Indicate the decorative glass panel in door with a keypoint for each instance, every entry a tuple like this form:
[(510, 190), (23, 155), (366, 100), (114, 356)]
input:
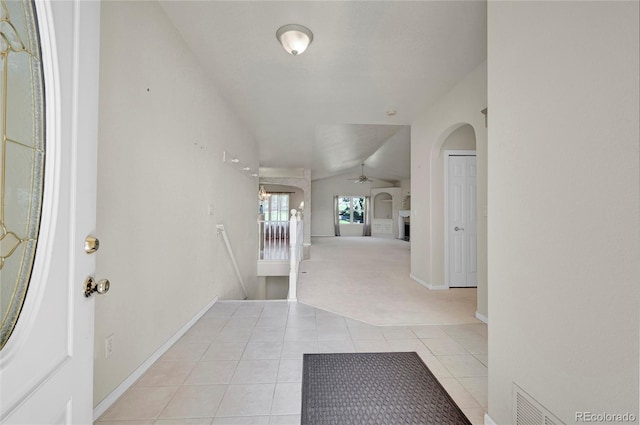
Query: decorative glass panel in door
[(21, 155)]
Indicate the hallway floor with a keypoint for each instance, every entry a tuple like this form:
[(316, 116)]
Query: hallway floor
[(368, 279), (241, 363)]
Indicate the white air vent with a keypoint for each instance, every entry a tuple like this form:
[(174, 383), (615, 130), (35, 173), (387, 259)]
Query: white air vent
[(527, 411)]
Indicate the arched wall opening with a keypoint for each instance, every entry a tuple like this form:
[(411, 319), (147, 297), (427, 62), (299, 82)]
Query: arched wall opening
[(463, 138), (460, 136), (462, 105), (382, 207)]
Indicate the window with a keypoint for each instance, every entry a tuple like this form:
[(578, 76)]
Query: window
[(276, 207), (351, 209), (22, 157)]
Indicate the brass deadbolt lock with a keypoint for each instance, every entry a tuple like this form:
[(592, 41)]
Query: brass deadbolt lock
[(91, 244)]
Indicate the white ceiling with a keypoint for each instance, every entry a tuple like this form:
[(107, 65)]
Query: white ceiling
[(326, 109)]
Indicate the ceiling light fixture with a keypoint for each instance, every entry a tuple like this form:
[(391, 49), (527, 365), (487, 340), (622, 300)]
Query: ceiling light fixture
[(294, 38), (262, 194)]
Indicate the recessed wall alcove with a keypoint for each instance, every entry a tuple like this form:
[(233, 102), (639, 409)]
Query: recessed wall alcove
[(386, 204), (382, 207)]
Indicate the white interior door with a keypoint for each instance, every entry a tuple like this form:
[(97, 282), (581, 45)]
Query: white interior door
[(46, 366), (461, 221)]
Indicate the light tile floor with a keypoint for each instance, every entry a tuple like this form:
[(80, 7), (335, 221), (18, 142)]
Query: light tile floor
[(241, 364)]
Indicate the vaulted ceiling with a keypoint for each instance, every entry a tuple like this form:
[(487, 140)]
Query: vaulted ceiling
[(326, 109)]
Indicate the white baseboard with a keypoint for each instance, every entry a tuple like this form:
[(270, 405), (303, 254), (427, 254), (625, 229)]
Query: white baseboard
[(131, 379), (482, 318), (429, 285), (420, 281), (488, 420)]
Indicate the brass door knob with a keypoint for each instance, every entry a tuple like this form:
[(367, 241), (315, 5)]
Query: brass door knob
[(91, 286)]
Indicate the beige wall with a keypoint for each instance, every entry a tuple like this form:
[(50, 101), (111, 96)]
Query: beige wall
[(463, 138), (163, 128), (276, 287), (564, 206), (405, 185), (461, 106)]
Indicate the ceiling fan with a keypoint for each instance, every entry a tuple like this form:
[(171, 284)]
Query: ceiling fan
[(362, 178)]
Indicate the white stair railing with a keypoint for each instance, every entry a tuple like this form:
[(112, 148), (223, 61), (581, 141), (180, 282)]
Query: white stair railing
[(221, 231), (296, 252), (273, 237)]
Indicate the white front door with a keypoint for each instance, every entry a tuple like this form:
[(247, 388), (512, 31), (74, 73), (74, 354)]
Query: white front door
[(461, 221), (46, 367)]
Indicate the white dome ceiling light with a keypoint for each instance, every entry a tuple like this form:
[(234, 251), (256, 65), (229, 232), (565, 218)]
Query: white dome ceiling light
[(294, 38)]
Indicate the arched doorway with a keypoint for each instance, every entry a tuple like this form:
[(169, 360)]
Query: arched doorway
[(458, 159)]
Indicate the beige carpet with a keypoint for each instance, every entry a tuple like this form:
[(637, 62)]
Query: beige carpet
[(368, 279)]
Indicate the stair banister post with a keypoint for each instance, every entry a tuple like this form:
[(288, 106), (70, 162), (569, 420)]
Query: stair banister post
[(293, 256)]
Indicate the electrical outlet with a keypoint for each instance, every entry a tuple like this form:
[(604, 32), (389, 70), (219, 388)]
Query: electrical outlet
[(108, 346), (211, 209)]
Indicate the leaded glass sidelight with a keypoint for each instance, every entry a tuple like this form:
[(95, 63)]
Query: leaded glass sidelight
[(21, 155)]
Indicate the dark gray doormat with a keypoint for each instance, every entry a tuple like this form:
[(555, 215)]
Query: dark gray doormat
[(374, 389)]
